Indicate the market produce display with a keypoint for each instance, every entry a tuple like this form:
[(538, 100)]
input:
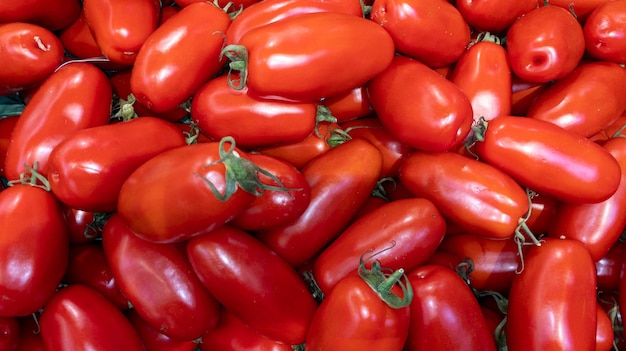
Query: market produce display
[(337, 175)]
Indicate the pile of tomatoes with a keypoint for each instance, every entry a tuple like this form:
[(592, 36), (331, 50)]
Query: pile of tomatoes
[(389, 175)]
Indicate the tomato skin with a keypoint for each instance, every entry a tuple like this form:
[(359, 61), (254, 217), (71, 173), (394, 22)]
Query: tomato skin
[(443, 31), (411, 229), (183, 52), (408, 85), (231, 334), (494, 261), (165, 185), (582, 8), (27, 62), (80, 85), (609, 268), (51, 14), (83, 226), (264, 12), (475, 195), (9, 333), (597, 225), (115, 28), (604, 331), (84, 178), (275, 208), (353, 317), (556, 291), (7, 124), (87, 265), (550, 160), (79, 318), (34, 244), (604, 32), (585, 101), (159, 282), (445, 315), (545, 44), (253, 282), (483, 73), (341, 180), (254, 122), (492, 15), (280, 66), (349, 105), (153, 339)]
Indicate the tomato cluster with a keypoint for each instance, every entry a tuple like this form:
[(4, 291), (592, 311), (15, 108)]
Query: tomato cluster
[(272, 175)]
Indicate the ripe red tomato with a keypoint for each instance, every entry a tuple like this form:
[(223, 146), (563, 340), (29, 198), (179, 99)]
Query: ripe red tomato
[(609, 268), (250, 280), (443, 32), (86, 178), (477, 196), (184, 52), (341, 180), (254, 122), (7, 124), (78, 317), (9, 333), (410, 229), (264, 12), (483, 73), (30, 54), (552, 302), (33, 248), (605, 33), (493, 15), (51, 14), (291, 59), (275, 207), (585, 101), (407, 86), (75, 97), (349, 105), (581, 8), (154, 340), (159, 282), (545, 44), (84, 226), (550, 160), (445, 314), (604, 331)]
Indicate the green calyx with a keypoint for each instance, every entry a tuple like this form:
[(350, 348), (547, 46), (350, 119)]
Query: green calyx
[(382, 281), (240, 173), (32, 177), (238, 56)]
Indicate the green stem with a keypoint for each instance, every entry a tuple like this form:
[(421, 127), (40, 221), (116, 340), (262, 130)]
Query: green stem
[(382, 283), (238, 56), (32, 177)]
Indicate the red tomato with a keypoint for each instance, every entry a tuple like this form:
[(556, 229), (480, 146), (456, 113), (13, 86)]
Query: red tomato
[(87, 265), (341, 180), (116, 29), (184, 52), (222, 111), (349, 105), (363, 312), (483, 73), (275, 207), (411, 229), (550, 160), (250, 280), (524, 93), (159, 282), (167, 11), (393, 150), (30, 336), (7, 124), (552, 302), (154, 340), (30, 54), (9, 333), (236, 4), (542, 210), (264, 12), (193, 189), (33, 248), (494, 262), (84, 226), (493, 15), (545, 44), (597, 225), (445, 315), (582, 8), (475, 195), (51, 14), (609, 268), (604, 331), (75, 97), (78, 317), (605, 33), (443, 32), (585, 101), (291, 59), (86, 178), (407, 86), (231, 334)]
